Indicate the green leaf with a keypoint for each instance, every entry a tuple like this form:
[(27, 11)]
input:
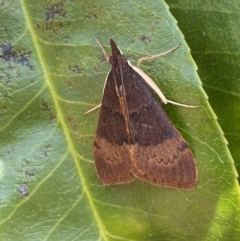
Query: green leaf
[(52, 71), (212, 32)]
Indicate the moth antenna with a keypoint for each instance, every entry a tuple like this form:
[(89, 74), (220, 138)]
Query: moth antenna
[(106, 56)]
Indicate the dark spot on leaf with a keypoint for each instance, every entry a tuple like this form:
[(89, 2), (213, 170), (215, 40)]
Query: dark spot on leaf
[(78, 136), (45, 106), (53, 27), (74, 69), (29, 174), (46, 150), (3, 3), (92, 15), (48, 110), (27, 171), (69, 118), (23, 189), (24, 61), (7, 52), (72, 121), (95, 70), (68, 82), (11, 151), (55, 9), (25, 163), (102, 59), (6, 48), (145, 39), (14, 57)]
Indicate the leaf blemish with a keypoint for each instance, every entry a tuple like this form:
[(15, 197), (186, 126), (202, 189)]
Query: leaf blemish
[(75, 69), (72, 120), (55, 9), (48, 110), (145, 39), (23, 189), (10, 55), (92, 15), (30, 174), (46, 150)]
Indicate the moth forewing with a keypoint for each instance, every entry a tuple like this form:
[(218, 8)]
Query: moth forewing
[(151, 83)]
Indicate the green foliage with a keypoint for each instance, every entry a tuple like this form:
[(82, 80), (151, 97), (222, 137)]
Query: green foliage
[(52, 71), (211, 29)]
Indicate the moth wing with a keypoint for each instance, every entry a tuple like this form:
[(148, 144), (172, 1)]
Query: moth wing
[(160, 155), (112, 155)]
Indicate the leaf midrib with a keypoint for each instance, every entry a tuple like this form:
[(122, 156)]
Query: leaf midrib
[(61, 118)]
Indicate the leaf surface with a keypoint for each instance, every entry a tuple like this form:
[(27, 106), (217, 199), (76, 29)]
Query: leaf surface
[(52, 71), (212, 32)]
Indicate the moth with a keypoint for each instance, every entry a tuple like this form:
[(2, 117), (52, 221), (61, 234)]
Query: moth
[(134, 137)]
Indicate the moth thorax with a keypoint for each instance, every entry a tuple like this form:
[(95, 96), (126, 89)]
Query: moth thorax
[(118, 60)]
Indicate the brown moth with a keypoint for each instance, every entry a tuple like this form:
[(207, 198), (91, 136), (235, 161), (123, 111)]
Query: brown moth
[(134, 137)]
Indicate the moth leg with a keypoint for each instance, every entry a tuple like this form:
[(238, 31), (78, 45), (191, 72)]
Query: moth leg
[(148, 57), (156, 89), (98, 106), (94, 108), (180, 104), (106, 56)]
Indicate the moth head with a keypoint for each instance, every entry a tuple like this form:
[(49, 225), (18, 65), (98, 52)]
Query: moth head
[(117, 58)]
